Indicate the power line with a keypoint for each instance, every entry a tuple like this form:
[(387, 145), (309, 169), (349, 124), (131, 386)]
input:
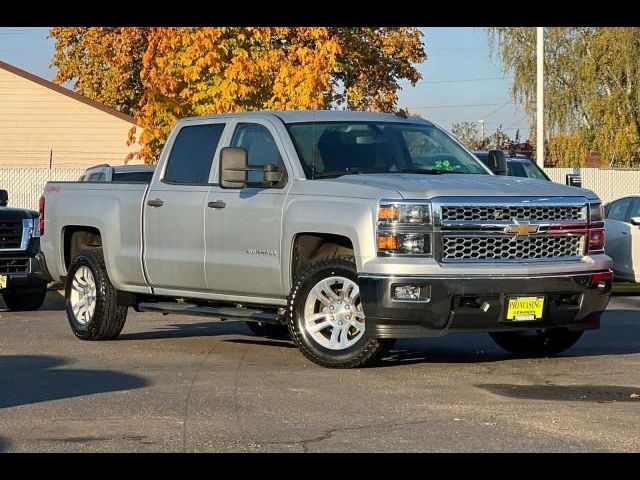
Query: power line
[(499, 108), (462, 105), (463, 80)]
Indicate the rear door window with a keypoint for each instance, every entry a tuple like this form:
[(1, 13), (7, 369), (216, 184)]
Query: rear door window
[(192, 154)]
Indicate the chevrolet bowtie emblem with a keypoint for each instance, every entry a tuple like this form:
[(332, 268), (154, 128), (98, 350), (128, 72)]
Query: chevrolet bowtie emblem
[(522, 229)]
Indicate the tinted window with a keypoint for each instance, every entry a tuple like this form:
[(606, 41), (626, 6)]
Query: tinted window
[(133, 177), (618, 209), (635, 209), (525, 169), (260, 146), (96, 177), (192, 153)]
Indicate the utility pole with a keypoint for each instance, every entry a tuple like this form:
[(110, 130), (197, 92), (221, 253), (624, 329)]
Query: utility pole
[(481, 122), (540, 97)]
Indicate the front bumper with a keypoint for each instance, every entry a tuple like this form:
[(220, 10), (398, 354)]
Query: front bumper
[(25, 269), (459, 303)]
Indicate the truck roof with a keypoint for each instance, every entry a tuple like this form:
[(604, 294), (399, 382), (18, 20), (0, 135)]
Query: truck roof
[(302, 116)]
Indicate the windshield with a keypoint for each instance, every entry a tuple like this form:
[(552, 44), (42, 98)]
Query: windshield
[(331, 149), (526, 169)]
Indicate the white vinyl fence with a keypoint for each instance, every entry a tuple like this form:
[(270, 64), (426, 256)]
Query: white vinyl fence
[(608, 183), (25, 185)]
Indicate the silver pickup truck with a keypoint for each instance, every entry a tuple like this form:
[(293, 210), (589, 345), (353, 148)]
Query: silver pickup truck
[(347, 229)]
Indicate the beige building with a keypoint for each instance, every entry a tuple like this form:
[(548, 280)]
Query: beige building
[(43, 123)]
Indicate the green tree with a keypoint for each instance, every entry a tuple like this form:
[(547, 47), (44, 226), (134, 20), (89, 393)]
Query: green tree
[(467, 133), (592, 88)]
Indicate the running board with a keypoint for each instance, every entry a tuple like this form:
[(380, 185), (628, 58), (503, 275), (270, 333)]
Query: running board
[(222, 313)]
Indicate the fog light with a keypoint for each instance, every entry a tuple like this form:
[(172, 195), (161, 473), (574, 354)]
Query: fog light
[(411, 293), (406, 292)]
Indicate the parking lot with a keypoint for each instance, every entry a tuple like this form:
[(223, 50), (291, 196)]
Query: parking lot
[(172, 383)]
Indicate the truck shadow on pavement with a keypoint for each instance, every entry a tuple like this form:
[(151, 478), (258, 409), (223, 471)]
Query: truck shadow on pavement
[(4, 445), (568, 393), (182, 330), (29, 379), (619, 335), (54, 302)]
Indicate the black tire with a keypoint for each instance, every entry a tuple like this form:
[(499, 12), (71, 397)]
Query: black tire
[(25, 299), (108, 317), (366, 351), (269, 330), (540, 343)]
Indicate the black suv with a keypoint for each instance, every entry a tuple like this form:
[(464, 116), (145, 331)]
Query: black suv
[(23, 277)]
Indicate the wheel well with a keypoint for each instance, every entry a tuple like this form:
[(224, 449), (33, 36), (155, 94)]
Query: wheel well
[(77, 238), (311, 247)]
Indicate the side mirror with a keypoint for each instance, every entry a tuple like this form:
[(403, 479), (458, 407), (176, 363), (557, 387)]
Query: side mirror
[(233, 167), (497, 162), (634, 221), (272, 174), (573, 180), (4, 198)]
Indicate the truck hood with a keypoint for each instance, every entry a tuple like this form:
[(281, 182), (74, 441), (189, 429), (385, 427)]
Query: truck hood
[(416, 186)]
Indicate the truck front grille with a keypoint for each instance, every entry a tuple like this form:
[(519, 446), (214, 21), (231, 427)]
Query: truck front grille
[(10, 234), (509, 212), (14, 265), (502, 247)]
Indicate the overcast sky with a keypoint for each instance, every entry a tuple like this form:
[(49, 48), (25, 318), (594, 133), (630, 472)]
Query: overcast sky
[(454, 54)]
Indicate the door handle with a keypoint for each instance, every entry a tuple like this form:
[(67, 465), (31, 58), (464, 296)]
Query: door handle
[(217, 204), (624, 233), (156, 202)]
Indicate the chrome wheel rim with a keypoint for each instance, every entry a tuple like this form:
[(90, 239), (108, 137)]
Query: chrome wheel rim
[(83, 295), (333, 315)]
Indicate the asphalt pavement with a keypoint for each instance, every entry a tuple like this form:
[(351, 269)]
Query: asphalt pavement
[(174, 383)]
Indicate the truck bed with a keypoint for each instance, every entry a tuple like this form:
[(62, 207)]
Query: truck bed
[(115, 210)]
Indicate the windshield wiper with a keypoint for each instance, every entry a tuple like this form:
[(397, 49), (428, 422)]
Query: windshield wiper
[(336, 174)]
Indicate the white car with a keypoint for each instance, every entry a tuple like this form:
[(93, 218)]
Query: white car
[(622, 225)]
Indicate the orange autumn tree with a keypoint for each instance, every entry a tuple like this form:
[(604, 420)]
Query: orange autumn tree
[(161, 74)]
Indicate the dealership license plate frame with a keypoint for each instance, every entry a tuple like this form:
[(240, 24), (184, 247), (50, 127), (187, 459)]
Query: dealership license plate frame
[(529, 314)]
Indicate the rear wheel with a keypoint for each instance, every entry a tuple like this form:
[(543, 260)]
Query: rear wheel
[(91, 300), (25, 299), (326, 319), (547, 342)]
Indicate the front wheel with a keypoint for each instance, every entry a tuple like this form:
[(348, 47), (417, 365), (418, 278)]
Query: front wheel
[(25, 299), (326, 319), (91, 300), (537, 343)]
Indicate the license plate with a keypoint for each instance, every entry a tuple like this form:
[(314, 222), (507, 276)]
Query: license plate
[(525, 308), (3, 281)]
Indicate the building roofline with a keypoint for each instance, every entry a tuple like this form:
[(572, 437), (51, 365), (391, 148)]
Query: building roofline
[(65, 91)]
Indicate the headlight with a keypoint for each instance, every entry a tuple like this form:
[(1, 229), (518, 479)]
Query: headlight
[(596, 212), (31, 227), (399, 214), (404, 228)]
